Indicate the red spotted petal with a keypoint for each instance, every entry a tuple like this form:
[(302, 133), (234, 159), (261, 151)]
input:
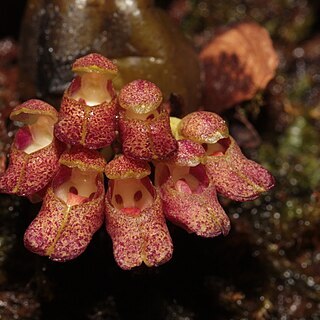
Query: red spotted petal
[(94, 62), (147, 139), (27, 174), (140, 96), (93, 127), (34, 154), (71, 117), (237, 177), (138, 235), (190, 201), (203, 127), (63, 229), (84, 159), (123, 168), (26, 111), (189, 153)]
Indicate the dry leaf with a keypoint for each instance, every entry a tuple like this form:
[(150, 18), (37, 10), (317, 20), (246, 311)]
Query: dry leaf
[(239, 61)]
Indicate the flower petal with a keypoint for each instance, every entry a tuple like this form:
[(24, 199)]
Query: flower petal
[(33, 107), (189, 153), (194, 208), (147, 139), (123, 168), (34, 153), (140, 97), (139, 237), (61, 230), (27, 174), (94, 62), (83, 159), (92, 127), (203, 127), (237, 177)]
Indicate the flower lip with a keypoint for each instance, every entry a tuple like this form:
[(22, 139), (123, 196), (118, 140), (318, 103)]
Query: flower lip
[(125, 168), (140, 96), (203, 127), (84, 159), (29, 111), (95, 62)]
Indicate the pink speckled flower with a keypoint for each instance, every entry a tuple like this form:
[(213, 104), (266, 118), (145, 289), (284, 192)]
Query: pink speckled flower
[(193, 160), (72, 210), (234, 176), (89, 107), (189, 198), (34, 152), (144, 124), (134, 217)]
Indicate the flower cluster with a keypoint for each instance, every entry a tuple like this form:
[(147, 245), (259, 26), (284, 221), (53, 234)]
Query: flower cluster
[(59, 157)]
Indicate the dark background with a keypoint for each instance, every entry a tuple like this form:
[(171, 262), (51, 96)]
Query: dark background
[(233, 277)]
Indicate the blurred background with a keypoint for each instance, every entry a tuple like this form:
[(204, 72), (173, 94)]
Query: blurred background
[(268, 267)]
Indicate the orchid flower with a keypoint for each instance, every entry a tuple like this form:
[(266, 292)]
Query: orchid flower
[(144, 123), (189, 197), (35, 152), (89, 107), (194, 159), (233, 175), (72, 210), (134, 216)]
